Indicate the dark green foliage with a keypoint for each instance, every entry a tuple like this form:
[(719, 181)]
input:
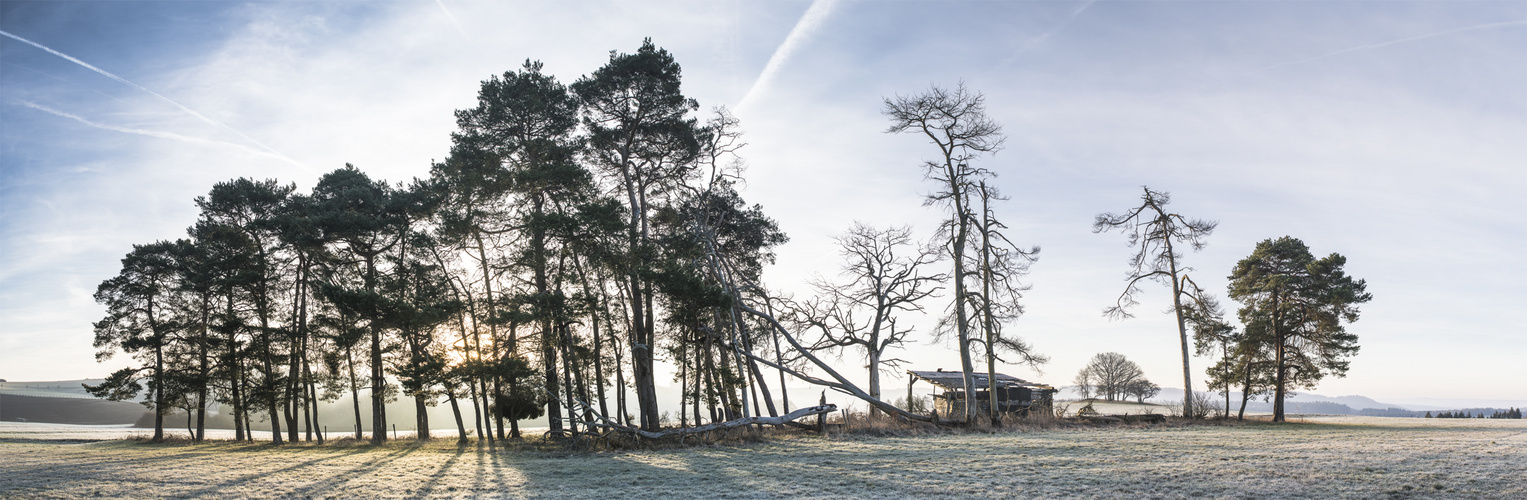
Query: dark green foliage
[(524, 399), (523, 277), (640, 137), (1297, 306), (121, 385)]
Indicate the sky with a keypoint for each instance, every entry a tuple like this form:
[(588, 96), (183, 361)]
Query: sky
[(1393, 133)]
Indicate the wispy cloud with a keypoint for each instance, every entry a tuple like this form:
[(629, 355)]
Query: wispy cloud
[(809, 23), (450, 16), (1372, 46), (124, 81), (1059, 27), (151, 133)]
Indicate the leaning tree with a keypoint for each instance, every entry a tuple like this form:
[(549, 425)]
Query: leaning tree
[(1157, 233)]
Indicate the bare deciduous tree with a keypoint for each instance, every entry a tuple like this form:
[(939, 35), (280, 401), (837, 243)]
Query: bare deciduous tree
[(882, 280), (956, 122), (1109, 375), (1142, 390), (1157, 232), (999, 266)]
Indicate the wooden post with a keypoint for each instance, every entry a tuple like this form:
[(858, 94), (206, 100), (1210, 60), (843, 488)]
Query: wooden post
[(822, 418), (911, 379)]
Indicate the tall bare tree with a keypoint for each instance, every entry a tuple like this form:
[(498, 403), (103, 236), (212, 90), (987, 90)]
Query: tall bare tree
[(999, 266), (956, 122), (1158, 232)]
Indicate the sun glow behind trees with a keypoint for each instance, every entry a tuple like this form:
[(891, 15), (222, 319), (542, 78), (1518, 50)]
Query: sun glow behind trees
[(537, 264)]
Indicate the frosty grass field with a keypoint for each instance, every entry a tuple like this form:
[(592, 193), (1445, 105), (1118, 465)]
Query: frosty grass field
[(1361, 457)]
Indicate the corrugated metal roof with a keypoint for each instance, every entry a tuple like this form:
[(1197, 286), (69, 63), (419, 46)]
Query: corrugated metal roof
[(955, 380)]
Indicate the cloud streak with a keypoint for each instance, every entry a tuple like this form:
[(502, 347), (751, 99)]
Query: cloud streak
[(809, 23), (1059, 27), (1379, 45), (271, 151), (151, 133), (450, 16)]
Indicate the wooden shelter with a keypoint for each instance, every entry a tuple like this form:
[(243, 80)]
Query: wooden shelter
[(1014, 395)]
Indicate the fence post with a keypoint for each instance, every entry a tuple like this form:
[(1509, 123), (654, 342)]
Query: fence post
[(822, 417)]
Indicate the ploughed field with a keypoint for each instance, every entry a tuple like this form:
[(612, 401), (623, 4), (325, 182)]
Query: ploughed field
[(1360, 457)]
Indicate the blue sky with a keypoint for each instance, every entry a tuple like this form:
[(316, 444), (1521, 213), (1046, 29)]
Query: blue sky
[(1394, 133)]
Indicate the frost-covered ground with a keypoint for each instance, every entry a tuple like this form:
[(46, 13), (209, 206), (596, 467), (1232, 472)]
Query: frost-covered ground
[(80, 433), (1360, 457)]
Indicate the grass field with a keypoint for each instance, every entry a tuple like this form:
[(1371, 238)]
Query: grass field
[(1361, 457)]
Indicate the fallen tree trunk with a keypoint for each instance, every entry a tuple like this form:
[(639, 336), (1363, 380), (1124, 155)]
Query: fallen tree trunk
[(781, 420), (838, 383)]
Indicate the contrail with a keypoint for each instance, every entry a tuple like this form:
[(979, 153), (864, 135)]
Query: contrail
[(182, 107), (1061, 26), (1392, 42), (1052, 32), (448, 15), (150, 133), (803, 29)]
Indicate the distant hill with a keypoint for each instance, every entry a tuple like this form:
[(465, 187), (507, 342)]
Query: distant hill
[(66, 402), (50, 389), (69, 410), (1304, 402)]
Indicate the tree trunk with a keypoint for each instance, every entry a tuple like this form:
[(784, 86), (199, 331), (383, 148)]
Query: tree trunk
[(378, 379), (1246, 392), (204, 369), (874, 374), (599, 357), (477, 414), (1278, 363), (295, 357), (1278, 390), (312, 389), (990, 323), (567, 382), (461, 427), (236, 370), (1182, 332), (158, 374), (269, 388), (355, 391), (421, 419), (963, 326)]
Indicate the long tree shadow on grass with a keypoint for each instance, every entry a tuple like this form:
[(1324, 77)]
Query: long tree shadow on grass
[(221, 487), (335, 480), (445, 468), (655, 474)]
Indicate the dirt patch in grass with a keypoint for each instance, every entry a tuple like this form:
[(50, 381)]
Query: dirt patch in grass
[(1364, 457)]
